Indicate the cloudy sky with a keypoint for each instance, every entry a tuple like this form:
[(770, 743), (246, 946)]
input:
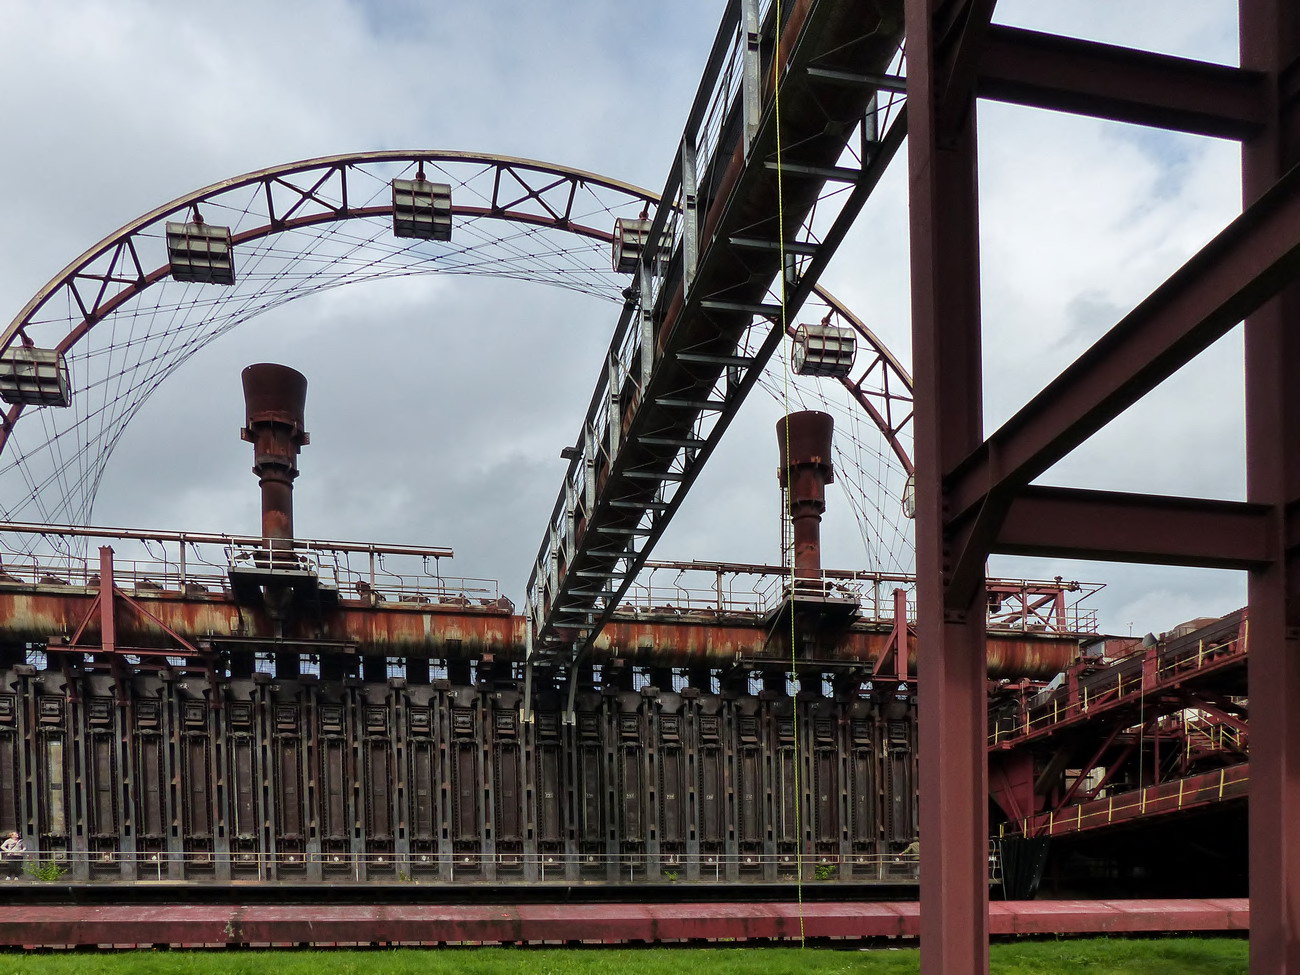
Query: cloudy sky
[(438, 406)]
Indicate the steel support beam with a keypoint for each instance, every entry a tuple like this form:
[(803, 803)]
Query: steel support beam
[(1270, 43), (944, 225), (1119, 527), (1066, 74), (1246, 264)]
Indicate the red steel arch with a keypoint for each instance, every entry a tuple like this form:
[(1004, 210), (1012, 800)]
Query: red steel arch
[(318, 191)]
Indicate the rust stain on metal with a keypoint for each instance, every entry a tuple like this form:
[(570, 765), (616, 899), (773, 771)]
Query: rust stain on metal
[(804, 440), (275, 398), (458, 632)]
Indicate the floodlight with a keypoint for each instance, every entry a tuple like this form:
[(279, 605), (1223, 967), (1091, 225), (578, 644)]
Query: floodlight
[(421, 209), (200, 252)]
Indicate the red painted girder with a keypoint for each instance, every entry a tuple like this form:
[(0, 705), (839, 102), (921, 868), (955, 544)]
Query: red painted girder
[(587, 923), (943, 37), (1067, 74), (1115, 526)]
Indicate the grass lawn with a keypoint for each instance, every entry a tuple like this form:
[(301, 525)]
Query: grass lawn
[(1186, 956)]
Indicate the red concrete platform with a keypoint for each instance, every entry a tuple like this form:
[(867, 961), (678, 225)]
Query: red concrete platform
[(122, 926)]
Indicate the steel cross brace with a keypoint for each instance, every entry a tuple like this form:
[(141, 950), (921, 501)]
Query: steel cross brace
[(103, 605), (1245, 265)]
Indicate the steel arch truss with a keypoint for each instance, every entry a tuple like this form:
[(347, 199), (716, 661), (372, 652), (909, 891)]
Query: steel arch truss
[(125, 323), (288, 235)]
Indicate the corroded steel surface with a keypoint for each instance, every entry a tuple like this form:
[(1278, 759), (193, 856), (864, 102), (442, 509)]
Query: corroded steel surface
[(275, 397), (334, 777), (37, 613), (221, 926), (804, 440)]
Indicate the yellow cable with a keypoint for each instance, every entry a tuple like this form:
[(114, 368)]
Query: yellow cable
[(785, 394)]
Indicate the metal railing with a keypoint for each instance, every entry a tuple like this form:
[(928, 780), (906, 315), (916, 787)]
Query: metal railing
[(77, 867), (1230, 782), (752, 591), (1124, 680), (194, 563)]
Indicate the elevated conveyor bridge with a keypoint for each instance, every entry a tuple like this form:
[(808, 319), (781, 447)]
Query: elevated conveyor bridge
[(741, 235)]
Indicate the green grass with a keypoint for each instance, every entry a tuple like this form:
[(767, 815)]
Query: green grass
[(1186, 956)]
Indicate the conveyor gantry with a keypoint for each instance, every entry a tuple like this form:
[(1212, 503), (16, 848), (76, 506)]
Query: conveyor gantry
[(703, 314)]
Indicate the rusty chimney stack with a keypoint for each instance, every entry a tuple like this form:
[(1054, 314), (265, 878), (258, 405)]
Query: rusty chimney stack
[(805, 443), (274, 399)]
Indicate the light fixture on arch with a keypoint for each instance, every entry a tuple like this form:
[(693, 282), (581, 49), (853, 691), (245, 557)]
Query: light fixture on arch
[(201, 252), (421, 209), (823, 350)]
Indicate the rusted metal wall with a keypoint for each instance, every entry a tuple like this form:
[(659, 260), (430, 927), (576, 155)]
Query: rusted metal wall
[(279, 779)]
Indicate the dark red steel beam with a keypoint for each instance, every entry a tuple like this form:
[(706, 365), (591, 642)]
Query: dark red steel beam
[(107, 611), (1121, 527), (1066, 74), (1270, 43), (1250, 261), (948, 423)]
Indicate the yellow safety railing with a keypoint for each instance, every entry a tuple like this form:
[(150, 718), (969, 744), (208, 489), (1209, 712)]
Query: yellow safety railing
[(1150, 800)]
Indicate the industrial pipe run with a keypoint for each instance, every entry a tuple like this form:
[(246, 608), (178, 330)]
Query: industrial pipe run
[(275, 397), (804, 440)]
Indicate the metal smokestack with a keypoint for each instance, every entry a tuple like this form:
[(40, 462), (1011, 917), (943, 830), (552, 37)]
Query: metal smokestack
[(274, 399), (805, 442)]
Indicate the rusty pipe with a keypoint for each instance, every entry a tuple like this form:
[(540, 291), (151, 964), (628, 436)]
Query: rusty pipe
[(804, 440), (274, 399)]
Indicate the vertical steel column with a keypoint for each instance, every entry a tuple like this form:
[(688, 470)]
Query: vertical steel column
[(264, 763), (399, 729), (312, 758), (530, 796), (129, 823), (440, 702), (950, 633), (353, 698), (27, 737), (488, 824), (174, 771), (1270, 42), (651, 798), (81, 771), (574, 807), (223, 822), (692, 759), (732, 825), (107, 619)]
